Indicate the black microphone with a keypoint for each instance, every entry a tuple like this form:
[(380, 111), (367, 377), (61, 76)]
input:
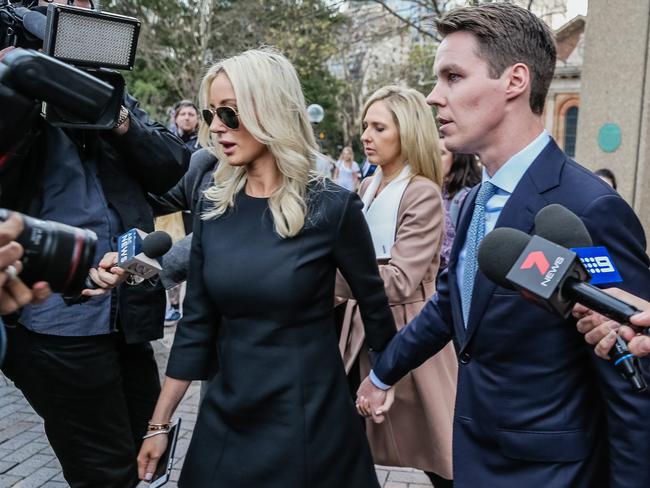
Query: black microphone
[(552, 277), (560, 225), (138, 253)]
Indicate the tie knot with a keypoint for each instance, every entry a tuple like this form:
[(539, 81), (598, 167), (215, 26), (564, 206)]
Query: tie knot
[(486, 192)]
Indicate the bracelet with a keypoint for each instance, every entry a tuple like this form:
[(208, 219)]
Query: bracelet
[(153, 427), (153, 434)]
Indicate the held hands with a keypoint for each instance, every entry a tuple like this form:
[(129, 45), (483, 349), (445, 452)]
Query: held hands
[(150, 453), (601, 331), (374, 402), (107, 275)]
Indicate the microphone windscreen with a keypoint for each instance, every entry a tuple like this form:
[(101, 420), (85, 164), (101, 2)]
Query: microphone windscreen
[(34, 23), (156, 244), (560, 225), (498, 252)]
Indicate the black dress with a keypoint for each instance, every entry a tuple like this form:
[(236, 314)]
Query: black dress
[(278, 413)]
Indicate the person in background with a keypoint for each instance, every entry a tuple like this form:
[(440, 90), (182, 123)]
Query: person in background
[(186, 122), (607, 176), (260, 290), (367, 169), (346, 170), (403, 208), (324, 165), (461, 173)]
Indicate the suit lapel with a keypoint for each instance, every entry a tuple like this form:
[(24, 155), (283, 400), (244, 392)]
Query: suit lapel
[(518, 213)]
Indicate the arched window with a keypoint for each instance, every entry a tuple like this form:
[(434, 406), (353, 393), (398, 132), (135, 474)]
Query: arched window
[(570, 131)]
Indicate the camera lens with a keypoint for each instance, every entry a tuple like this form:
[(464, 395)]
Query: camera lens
[(57, 253)]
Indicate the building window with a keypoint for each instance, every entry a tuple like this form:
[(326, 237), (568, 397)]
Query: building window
[(570, 131)]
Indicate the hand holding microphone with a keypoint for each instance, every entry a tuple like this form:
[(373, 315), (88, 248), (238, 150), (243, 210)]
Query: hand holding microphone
[(136, 258), (601, 331)]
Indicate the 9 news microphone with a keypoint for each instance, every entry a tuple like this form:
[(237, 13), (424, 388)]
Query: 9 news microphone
[(560, 225), (553, 277), (138, 253)]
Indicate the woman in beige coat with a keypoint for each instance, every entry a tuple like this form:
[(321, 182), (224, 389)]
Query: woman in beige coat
[(403, 207)]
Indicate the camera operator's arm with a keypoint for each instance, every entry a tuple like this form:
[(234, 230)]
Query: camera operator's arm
[(156, 156), (186, 194), (13, 292)]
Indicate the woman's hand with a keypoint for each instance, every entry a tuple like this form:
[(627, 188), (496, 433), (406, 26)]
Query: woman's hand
[(150, 453)]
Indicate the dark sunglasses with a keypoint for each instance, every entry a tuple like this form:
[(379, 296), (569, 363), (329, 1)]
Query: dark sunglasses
[(228, 115)]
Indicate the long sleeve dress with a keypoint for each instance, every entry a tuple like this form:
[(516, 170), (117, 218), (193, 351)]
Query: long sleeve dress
[(278, 413)]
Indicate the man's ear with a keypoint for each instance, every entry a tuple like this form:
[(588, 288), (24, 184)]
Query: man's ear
[(518, 80)]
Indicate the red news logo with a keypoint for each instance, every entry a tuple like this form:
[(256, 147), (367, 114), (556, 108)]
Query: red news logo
[(538, 260)]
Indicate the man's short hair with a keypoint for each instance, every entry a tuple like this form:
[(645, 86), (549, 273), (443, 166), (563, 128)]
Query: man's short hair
[(508, 34), (183, 104)]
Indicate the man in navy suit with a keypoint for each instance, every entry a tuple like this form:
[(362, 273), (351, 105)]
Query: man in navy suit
[(535, 407)]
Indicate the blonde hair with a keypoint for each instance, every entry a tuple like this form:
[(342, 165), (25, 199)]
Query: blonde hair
[(272, 107), (418, 133)]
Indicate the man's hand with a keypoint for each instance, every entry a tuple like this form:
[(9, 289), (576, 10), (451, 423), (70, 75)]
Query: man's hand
[(107, 275), (601, 331), (374, 402), (13, 292)]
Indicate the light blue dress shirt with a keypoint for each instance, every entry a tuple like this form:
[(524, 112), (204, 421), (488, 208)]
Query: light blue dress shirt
[(506, 180)]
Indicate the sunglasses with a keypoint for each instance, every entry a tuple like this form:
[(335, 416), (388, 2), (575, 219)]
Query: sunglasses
[(228, 115)]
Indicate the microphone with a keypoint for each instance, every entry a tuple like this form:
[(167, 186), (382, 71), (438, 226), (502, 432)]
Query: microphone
[(560, 225), (138, 253), (552, 277)]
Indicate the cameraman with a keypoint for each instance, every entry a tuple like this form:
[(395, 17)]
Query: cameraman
[(88, 369), (13, 292)]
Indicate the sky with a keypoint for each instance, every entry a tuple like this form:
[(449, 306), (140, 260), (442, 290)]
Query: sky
[(573, 8)]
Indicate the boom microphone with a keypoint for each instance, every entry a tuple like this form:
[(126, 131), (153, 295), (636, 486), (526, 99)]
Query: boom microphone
[(552, 277)]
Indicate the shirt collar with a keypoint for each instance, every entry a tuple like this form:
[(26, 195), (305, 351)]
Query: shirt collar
[(507, 176)]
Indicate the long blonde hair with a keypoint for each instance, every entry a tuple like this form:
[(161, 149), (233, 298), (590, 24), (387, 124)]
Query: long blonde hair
[(272, 107), (418, 134)]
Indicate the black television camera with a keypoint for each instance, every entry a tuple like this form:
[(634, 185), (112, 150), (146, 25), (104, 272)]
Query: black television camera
[(73, 80), (57, 253)]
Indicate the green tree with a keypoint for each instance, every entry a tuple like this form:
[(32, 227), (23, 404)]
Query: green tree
[(181, 38)]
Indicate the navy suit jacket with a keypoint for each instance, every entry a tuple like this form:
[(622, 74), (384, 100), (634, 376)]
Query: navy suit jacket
[(535, 407)]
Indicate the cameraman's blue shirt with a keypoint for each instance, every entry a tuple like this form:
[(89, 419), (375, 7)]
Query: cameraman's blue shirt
[(73, 195)]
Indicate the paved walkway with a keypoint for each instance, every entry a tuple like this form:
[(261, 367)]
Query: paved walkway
[(27, 461)]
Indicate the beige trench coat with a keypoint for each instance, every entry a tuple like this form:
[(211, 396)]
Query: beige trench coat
[(417, 431)]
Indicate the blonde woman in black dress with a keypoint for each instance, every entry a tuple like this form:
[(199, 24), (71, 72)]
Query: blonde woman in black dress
[(261, 286)]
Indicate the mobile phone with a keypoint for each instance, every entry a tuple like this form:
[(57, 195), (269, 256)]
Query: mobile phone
[(165, 463)]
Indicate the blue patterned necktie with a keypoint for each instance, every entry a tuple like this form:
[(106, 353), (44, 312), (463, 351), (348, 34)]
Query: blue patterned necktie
[(475, 234)]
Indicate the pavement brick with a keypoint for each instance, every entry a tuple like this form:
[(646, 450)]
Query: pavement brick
[(28, 450), (32, 465), (409, 477), (6, 466), (37, 479), (8, 481)]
